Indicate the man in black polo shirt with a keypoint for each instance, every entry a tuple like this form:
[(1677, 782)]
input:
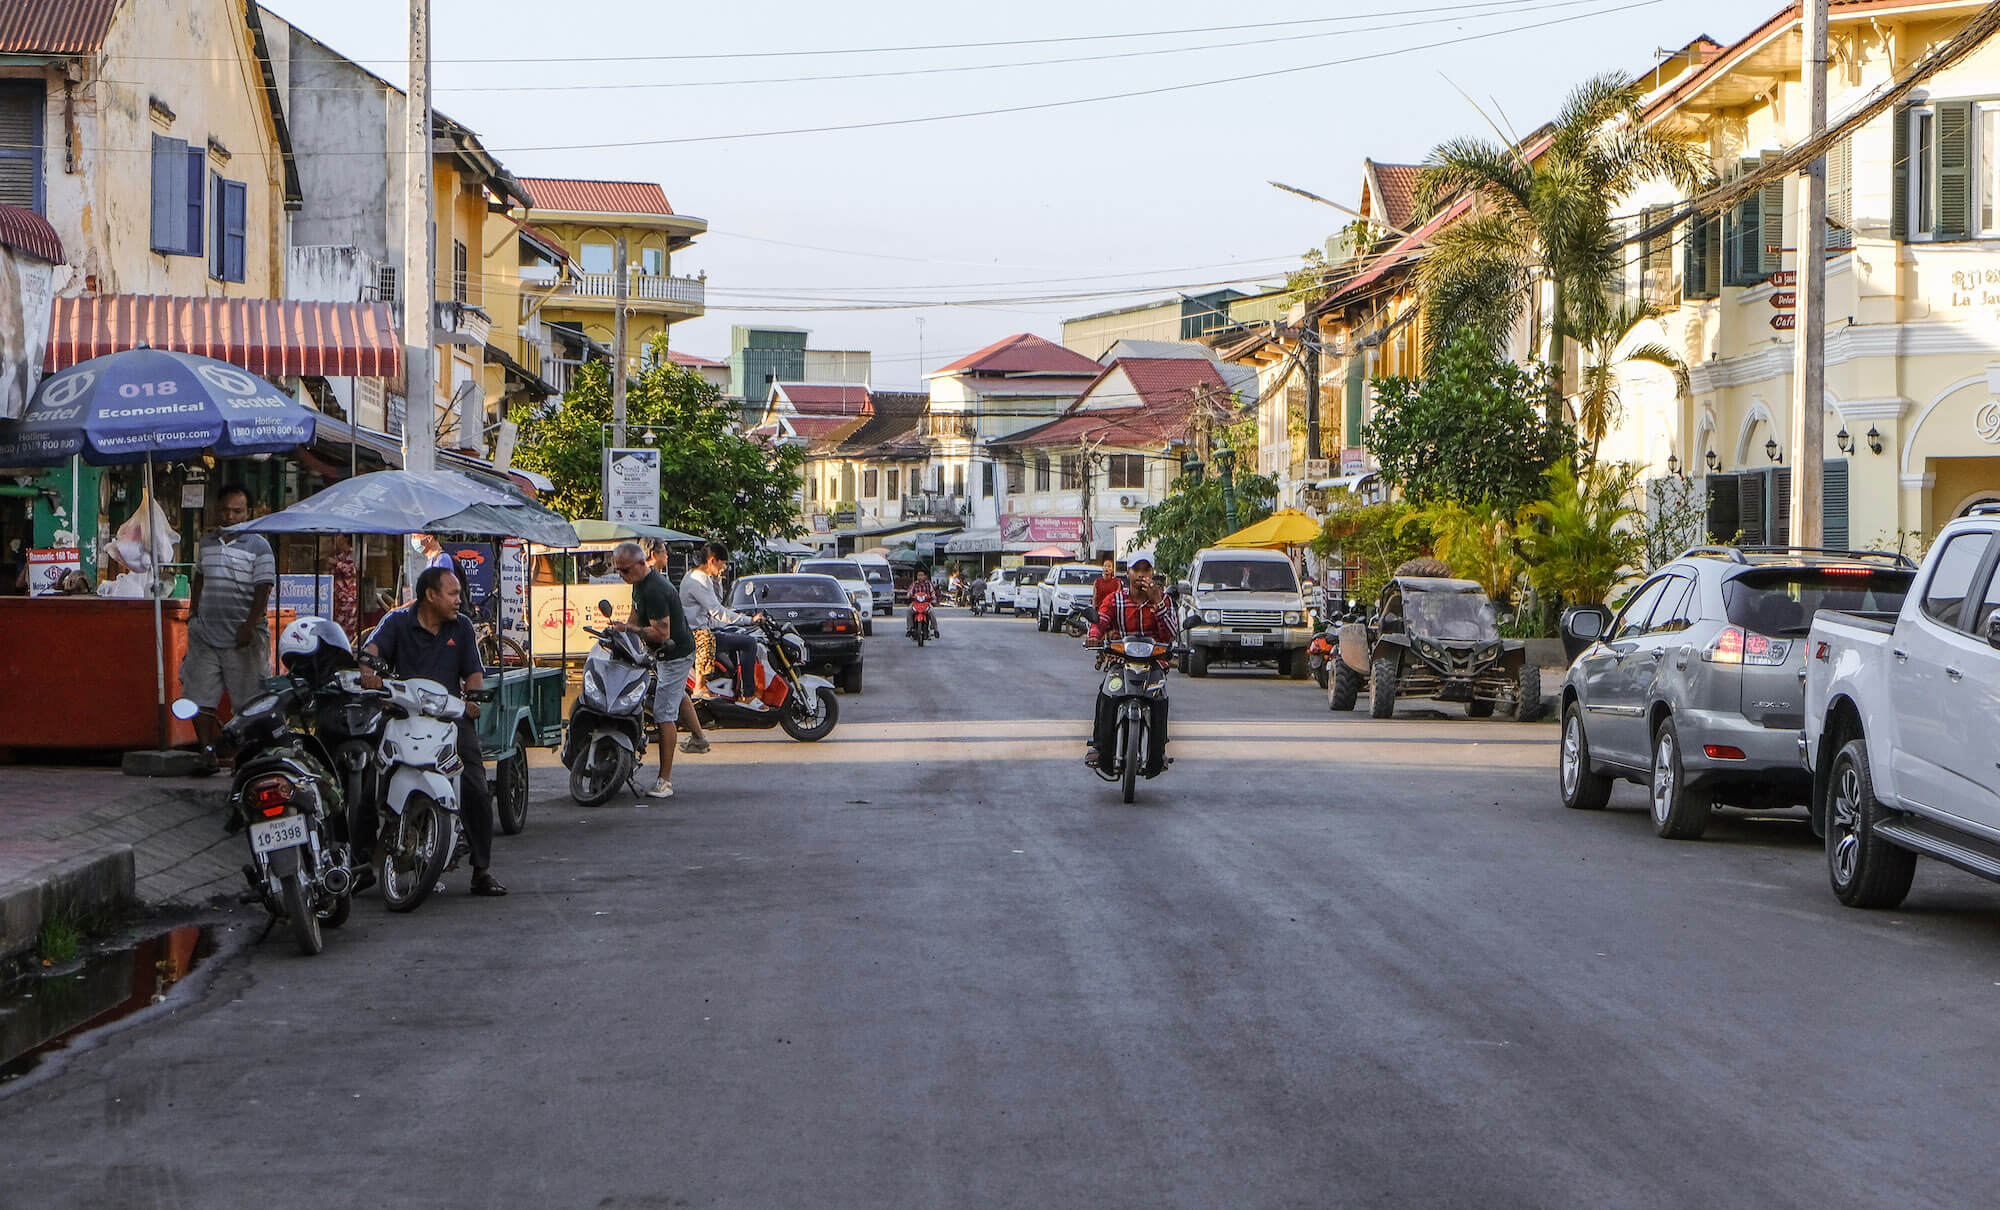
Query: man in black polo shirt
[(428, 640), (657, 617)]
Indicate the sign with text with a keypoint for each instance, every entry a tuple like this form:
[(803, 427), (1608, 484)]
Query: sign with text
[(632, 485), (1318, 468), (1053, 530), (46, 569), (475, 563), (1784, 300), (305, 594), (1783, 278), (1785, 322), (514, 588)]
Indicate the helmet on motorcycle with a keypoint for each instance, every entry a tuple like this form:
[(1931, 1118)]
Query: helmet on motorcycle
[(315, 649)]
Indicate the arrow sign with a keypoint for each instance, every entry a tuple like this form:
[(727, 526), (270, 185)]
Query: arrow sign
[(1785, 322), (1784, 300), (1783, 277)]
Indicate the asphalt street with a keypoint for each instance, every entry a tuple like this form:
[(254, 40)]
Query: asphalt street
[(933, 962)]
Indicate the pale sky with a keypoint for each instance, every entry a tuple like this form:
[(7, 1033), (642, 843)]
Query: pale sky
[(1156, 193)]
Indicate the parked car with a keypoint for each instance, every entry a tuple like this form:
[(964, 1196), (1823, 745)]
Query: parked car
[(1693, 689), (881, 583), (1902, 722), (1000, 588), (819, 608), (853, 581), (1027, 588), (1065, 590), (1244, 606), (1439, 639)]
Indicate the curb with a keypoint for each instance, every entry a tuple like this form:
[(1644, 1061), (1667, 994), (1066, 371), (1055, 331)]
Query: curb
[(100, 878)]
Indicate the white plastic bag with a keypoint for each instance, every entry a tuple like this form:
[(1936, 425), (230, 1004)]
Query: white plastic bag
[(146, 527)]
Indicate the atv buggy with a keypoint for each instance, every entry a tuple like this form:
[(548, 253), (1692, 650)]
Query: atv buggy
[(1435, 638)]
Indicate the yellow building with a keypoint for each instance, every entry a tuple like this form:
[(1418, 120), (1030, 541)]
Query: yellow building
[(584, 220)]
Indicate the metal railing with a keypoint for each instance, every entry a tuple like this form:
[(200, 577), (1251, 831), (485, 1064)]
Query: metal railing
[(937, 507), (643, 287)]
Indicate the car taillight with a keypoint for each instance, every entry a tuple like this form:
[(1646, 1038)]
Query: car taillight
[(1723, 752), (1738, 646), (269, 795)]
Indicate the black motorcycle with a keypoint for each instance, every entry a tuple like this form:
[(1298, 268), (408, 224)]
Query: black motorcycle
[(1134, 677), (285, 798)]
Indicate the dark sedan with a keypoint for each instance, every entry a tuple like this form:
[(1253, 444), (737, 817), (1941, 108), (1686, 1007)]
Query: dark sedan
[(818, 608)]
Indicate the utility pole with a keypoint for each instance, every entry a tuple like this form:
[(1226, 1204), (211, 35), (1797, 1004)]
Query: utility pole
[(1311, 339), (621, 291), (1809, 341), (419, 254), (1087, 545)]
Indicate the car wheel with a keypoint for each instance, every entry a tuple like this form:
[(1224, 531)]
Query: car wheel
[(1382, 688), (1678, 813), (1582, 790), (1866, 871), (868, 625), (1198, 662), (1041, 621), (1344, 686), (850, 678)]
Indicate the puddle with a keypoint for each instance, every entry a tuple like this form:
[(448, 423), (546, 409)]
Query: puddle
[(40, 1015)]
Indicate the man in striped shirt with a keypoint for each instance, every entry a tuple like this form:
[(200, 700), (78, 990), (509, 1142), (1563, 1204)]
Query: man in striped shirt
[(229, 638), (1140, 607)]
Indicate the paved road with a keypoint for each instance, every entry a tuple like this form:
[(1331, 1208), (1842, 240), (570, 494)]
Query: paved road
[(933, 963)]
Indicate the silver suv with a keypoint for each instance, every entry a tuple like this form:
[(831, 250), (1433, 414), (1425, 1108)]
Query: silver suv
[(1694, 688)]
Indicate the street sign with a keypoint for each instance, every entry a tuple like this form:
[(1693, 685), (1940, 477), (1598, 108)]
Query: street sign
[(1784, 300), (632, 485), (1318, 468), (1783, 277), (1785, 322)]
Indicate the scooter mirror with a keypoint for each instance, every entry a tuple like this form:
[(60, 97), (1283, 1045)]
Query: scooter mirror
[(185, 708), (604, 607)]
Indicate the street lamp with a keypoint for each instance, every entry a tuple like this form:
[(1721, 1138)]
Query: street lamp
[(1673, 464), (1714, 463), (1771, 448), (1844, 441)]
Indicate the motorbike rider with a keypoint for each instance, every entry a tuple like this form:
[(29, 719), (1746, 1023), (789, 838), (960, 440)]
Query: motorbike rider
[(701, 593), (978, 590), (1139, 607), (429, 640), (921, 589), (658, 618)]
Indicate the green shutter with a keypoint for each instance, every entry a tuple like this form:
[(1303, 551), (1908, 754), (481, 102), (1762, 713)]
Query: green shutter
[(1771, 231), (1781, 505), (1723, 508), (1743, 237), (1833, 506), (1352, 410), (1701, 254), (1899, 189), (1840, 196), (1954, 140), (1750, 507)]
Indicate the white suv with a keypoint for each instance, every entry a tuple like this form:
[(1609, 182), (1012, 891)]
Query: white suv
[(1066, 589), (1000, 589)]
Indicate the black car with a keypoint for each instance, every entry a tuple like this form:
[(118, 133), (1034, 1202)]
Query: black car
[(818, 608)]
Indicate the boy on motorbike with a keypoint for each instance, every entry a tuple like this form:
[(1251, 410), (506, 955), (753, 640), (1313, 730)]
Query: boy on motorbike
[(1138, 608), (921, 589)]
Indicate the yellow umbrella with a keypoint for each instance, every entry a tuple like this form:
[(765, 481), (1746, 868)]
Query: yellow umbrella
[(1286, 527)]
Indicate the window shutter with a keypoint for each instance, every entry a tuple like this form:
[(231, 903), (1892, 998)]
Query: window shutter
[(1899, 190), (1781, 506), (1833, 506), (235, 198), (1352, 407), (21, 144), (1701, 262), (1771, 233), (218, 260), (1744, 237), (170, 182), (1954, 141), (1722, 508), (1750, 507), (1840, 196)]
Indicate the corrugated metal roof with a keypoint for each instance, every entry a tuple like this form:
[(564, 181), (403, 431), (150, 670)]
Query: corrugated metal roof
[(26, 231), (826, 399), (55, 27), (597, 197), (266, 336), (1023, 353)]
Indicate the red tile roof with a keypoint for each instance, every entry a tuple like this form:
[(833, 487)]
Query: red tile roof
[(1024, 353), (824, 430), (597, 197), (1166, 388), (545, 241), (823, 399), (695, 363), (55, 27), (1397, 202), (265, 336), (26, 231)]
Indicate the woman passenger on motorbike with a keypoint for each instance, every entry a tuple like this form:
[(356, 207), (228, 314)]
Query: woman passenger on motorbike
[(701, 596)]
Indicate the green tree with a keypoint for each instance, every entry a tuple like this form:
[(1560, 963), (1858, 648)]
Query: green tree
[(1478, 541), (1549, 219), (1374, 540), (713, 481), (1579, 541), (1191, 515), (1471, 429)]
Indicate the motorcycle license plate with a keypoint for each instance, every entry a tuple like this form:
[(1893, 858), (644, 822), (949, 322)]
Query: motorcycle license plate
[(1252, 640), (280, 833)]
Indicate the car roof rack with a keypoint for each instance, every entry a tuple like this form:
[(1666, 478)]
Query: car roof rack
[(1741, 554), (1985, 508)]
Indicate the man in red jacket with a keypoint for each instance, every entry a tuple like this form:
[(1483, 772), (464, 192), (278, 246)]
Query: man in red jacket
[(1138, 608)]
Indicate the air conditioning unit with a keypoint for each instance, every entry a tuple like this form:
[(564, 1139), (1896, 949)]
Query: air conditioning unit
[(1128, 502)]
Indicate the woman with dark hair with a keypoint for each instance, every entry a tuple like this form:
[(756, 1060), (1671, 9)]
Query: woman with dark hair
[(701, 596)]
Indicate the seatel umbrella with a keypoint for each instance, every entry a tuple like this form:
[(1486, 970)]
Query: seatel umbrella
[(594, 530), (144, 405), (1051, 552), (415, 502), (1286, 527)]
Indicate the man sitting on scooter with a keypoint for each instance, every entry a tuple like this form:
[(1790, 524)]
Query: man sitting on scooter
[(658, 618), (1138, 608), (921, 589)]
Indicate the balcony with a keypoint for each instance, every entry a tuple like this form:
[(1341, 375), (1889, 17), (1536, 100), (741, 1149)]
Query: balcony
[(932, 506), (680, 293)]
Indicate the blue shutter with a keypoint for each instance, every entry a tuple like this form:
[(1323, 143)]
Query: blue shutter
[(21, 143), (170, 181), (216, 260), (197, 173), (235, 199), (1833, 506)]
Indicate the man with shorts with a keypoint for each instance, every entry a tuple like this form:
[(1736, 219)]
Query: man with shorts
[(229, 638), (658, 619)]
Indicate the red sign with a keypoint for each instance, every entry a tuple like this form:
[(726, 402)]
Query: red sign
[(1041, 529), (1784, 277), (1784, 300), (1785, 323)]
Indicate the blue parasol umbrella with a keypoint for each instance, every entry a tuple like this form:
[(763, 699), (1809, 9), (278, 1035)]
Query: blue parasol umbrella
[(411, 502), (144, 405)]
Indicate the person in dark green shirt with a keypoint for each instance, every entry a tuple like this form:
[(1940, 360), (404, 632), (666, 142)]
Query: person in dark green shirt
[(658, 619)]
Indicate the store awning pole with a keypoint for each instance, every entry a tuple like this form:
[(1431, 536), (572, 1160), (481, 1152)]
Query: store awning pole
[(159, 627)]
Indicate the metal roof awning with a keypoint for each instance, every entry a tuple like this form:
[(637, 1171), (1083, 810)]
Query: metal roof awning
[(271, 337), (1345, 482)]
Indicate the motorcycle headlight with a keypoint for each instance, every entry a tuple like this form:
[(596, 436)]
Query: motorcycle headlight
[(1294, 619), (433, 703), (630, 698), (1211, 616), (1114, 683)]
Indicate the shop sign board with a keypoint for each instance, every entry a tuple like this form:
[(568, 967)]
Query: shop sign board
[(514, 588), (1783, 278), (632, 485), (1319, 468), (305, 594), (1785, 321), (46, 569), (559, 620), (1041, 530), (844, 518), (1784, 300), (475, 564)]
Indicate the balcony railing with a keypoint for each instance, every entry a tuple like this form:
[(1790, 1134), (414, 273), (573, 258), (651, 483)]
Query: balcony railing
[(936, 507), (643, 287)]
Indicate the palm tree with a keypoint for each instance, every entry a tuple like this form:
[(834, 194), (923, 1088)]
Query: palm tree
[(1545, 218), (1598, 401)]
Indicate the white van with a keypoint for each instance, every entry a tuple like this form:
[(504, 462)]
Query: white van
[(881, 582)]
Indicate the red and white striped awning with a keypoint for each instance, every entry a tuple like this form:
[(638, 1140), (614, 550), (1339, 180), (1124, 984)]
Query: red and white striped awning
[(266, 336)]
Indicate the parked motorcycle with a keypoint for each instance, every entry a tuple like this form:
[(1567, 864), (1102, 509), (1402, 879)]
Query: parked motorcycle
[(784, 695), (1134, 676), (608, 726), (419, 772), (920, 626), (1076, 623)]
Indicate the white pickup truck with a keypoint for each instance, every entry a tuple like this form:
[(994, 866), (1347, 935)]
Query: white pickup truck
[(1902, 723)]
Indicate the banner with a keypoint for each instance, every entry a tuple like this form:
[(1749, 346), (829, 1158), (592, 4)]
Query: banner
[(475, 563), (46, 569), (514, 589), (305, 594), (1057, 530), (632, 485)]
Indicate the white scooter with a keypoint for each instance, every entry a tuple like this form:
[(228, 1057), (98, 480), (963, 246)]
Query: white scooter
[(419, 770)]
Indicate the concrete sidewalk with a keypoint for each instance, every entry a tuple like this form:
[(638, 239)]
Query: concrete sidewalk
[(79, 839)]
